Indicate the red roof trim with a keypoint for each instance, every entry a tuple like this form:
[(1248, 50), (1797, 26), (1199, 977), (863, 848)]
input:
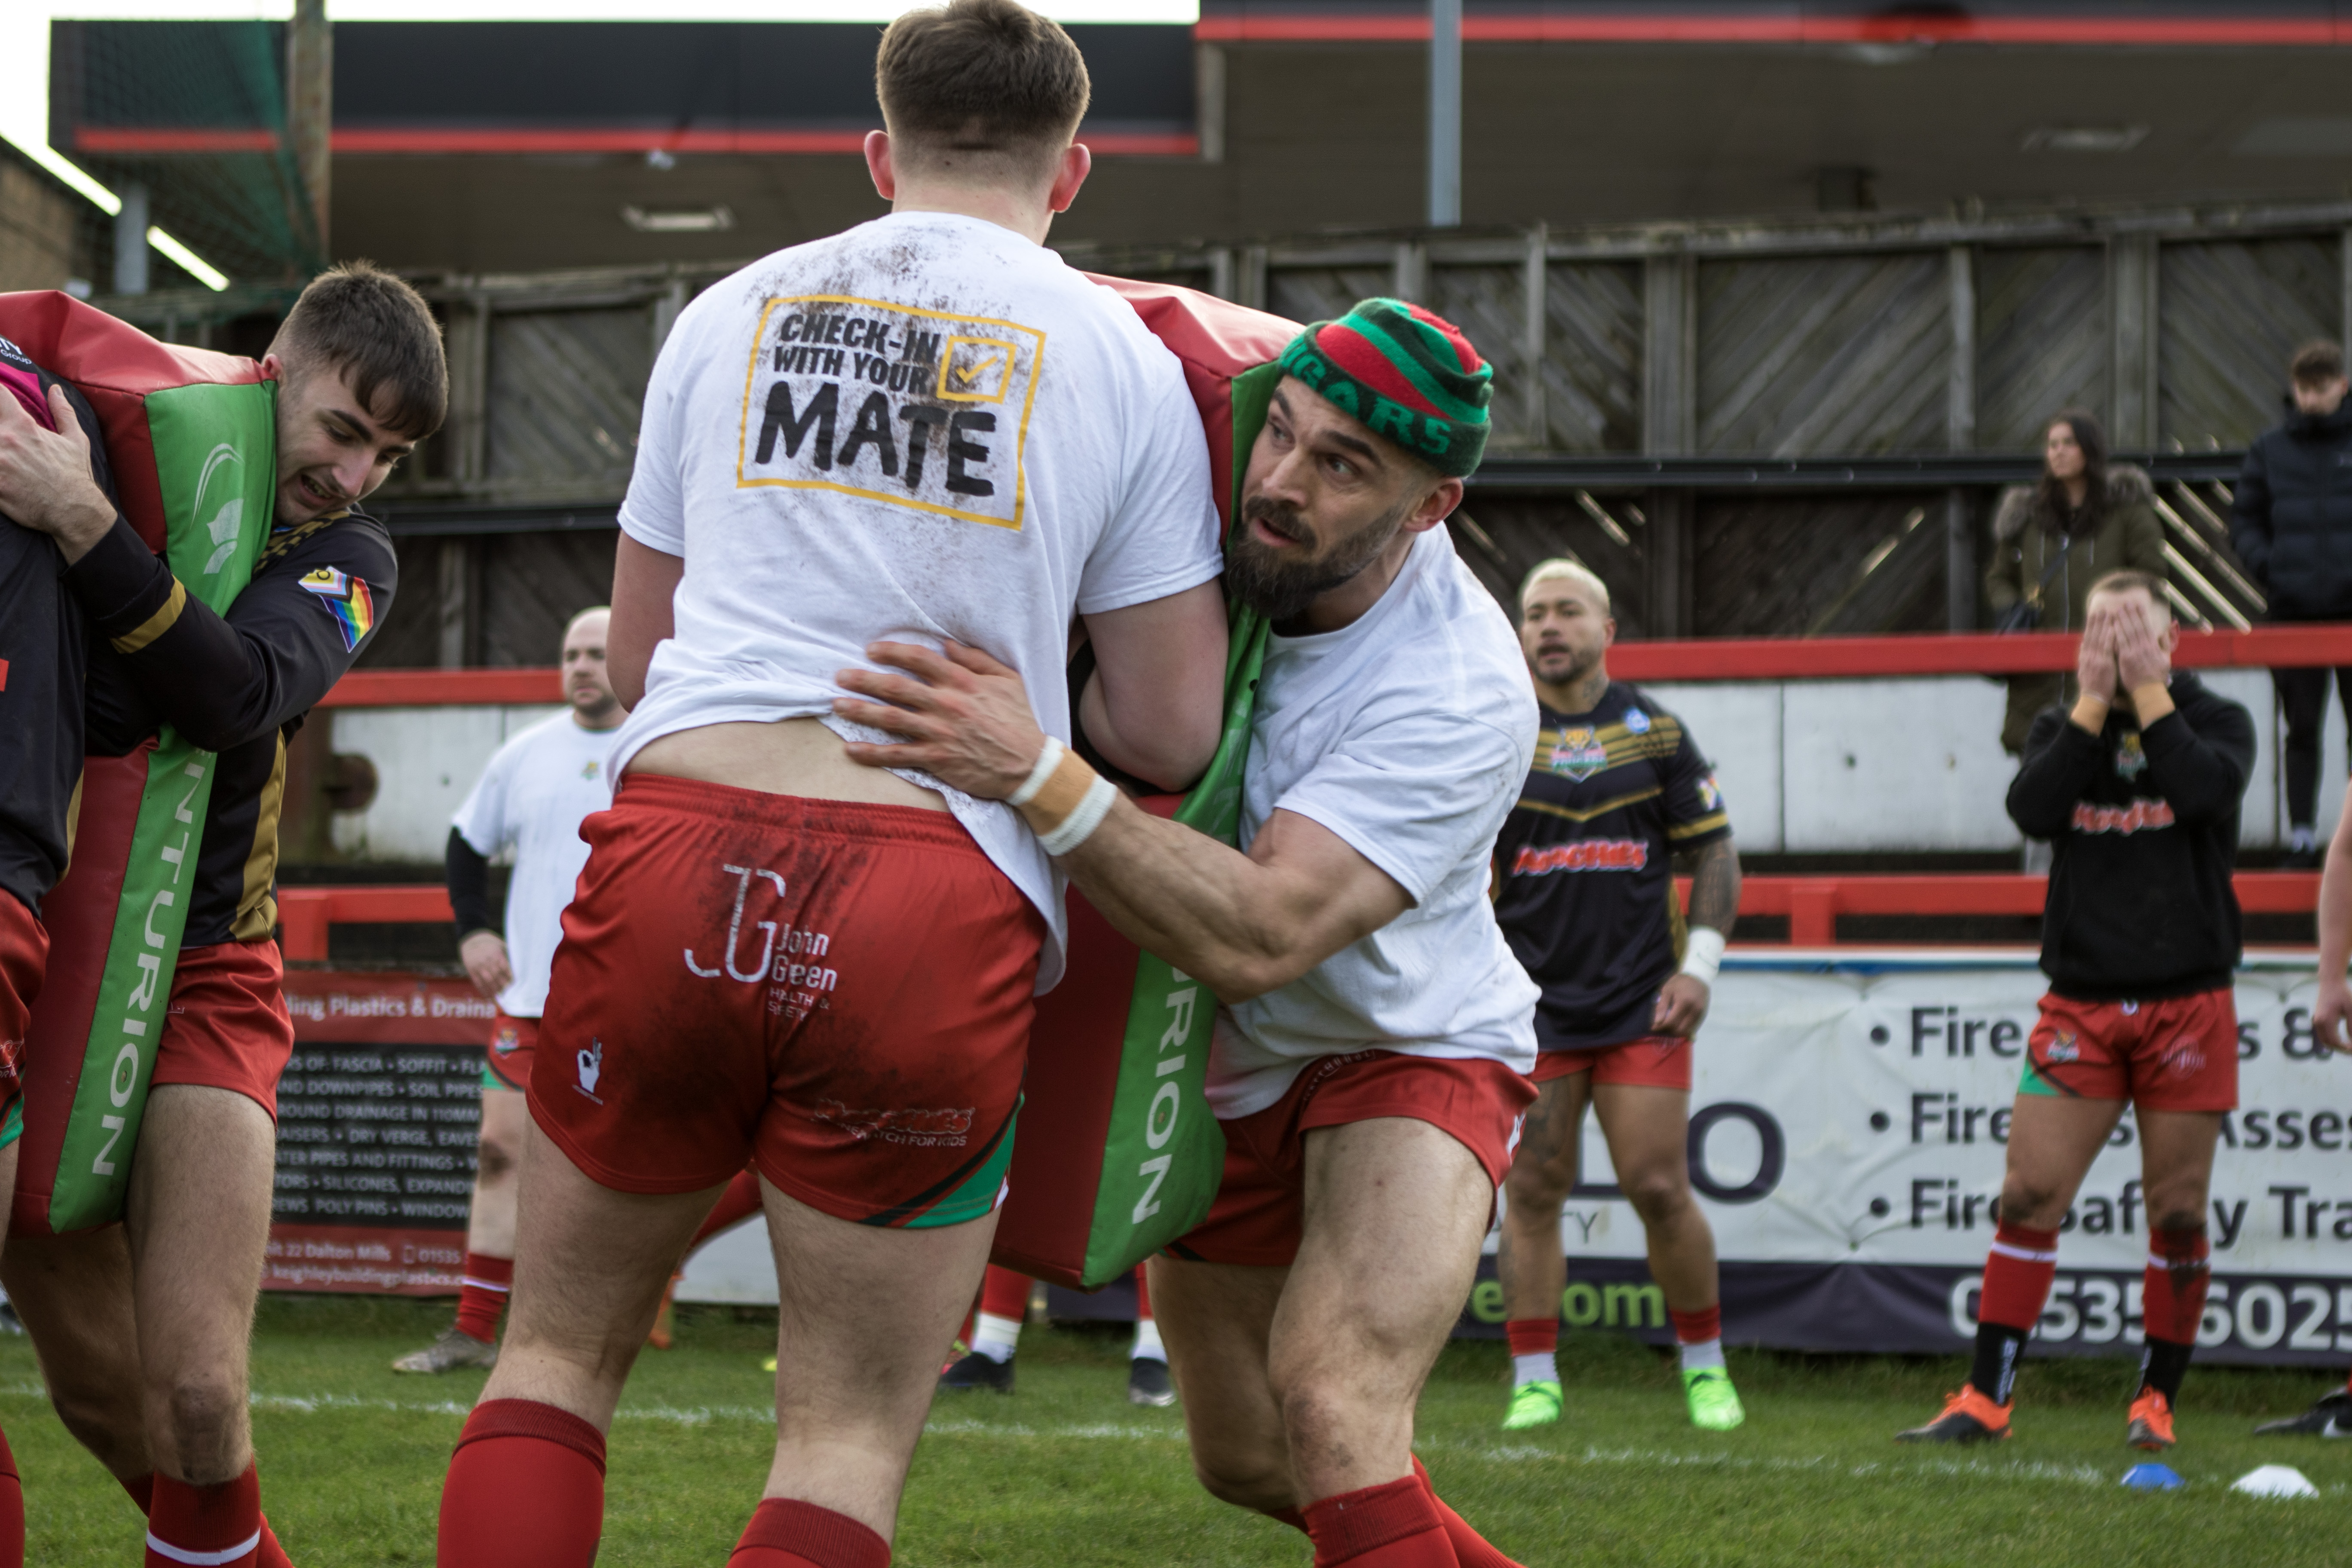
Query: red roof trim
[(1645, 27)]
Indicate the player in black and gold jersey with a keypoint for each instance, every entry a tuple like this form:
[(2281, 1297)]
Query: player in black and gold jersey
[(1584, 887)]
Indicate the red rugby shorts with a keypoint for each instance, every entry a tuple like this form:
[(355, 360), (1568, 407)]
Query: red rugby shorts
[(2178, 1054), (1652, 1061), (837, 992), (507, 1063), (24, 960), (1260, 1207), (228, 1027)]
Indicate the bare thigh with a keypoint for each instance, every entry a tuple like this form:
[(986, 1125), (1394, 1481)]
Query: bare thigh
[(73, 1293), (2176, 1163), (490, 1221), (2052, 1142)]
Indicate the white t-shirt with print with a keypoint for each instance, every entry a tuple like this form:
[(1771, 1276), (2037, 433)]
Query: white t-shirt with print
[(1407, 733), (925, 427), (531, 799)]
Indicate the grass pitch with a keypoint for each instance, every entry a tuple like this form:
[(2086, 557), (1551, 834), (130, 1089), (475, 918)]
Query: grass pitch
[(1066, 1473)]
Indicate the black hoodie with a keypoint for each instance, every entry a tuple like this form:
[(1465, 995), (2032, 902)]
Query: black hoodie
[(2144, 830), (2292, 526)]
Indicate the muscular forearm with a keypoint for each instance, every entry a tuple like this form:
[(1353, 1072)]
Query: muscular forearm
[(1714, 888)]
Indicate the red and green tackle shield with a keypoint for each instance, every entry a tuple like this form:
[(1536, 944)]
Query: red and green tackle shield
[(192, 437), (1118, 1154)]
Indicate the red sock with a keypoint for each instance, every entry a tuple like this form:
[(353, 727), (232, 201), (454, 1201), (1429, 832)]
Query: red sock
[(2174, 1287), (1143, 1296), (1394, 1525), (526, 1489), (739, 1202), (1697, 1328), (2017, 1271), (143, 1493), (1004, 1294), (1533, 1336), (12, 1509), (1471, 1548), (786, 1533), (482, 1295), (217, 1524)]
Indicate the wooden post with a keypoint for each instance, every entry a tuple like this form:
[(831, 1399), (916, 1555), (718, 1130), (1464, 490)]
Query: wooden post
[(2132, 304), (1209, 100), (1534, 328), (310, 109), (1669, 429), (1411, 272), (1253, 278), (460, 612), (1960, 436), (1444, 113), (2344, 264)]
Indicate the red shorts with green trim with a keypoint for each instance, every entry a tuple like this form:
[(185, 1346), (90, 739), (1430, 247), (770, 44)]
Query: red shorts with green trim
[(2177, 1054), (228, 1026), (24, 961), (507, 1063), (1260, 1207), (1652, 1061), (837, 992)]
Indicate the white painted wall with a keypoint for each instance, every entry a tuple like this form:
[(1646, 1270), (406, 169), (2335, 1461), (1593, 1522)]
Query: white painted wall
[(1806, 766), (427, 759)]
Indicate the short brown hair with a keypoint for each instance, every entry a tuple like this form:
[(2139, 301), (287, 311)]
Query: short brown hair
[(986, 78), (2316, 364), (2128, 579), (356, 317)]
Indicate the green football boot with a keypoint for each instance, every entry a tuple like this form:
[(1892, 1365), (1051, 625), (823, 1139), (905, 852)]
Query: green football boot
[(1533, 1405), (1714, 1404)]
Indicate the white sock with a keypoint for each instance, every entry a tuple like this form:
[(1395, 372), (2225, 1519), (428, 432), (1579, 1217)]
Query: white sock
[(1705, 1354), (1536, 1368), (994, 1337), (1147, 1340), (2302, 835)]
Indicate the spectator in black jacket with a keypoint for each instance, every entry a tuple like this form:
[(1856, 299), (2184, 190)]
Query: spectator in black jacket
[(2294, 531), (144, 1328), (2137, 788)]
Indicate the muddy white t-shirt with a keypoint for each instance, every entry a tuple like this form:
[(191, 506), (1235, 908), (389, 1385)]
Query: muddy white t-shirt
[(926, 427), (531, 799), (1407, 733)]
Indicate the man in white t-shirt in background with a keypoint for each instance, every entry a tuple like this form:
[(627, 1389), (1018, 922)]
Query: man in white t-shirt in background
[(925, 428), (1369, 1057), (531, 799)]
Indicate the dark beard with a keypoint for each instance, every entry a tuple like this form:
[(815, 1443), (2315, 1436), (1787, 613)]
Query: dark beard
[(1281, 590)]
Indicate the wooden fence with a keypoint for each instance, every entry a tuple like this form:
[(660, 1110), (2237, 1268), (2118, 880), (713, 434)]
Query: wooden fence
[(1844, 336)]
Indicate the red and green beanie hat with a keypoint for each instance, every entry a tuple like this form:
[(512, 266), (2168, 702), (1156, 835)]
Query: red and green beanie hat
[(1406, 372)]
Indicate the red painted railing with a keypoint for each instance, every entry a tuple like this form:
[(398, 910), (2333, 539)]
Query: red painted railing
[(1812, 904), (1703, 659)]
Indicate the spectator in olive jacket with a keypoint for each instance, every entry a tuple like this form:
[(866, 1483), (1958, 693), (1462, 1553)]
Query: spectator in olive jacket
[(2293, 528), (2084, 519)]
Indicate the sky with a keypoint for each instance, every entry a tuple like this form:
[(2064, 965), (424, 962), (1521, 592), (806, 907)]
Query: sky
[(24, 38)]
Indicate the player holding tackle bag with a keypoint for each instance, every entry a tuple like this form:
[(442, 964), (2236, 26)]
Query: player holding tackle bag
[(153, 1051)]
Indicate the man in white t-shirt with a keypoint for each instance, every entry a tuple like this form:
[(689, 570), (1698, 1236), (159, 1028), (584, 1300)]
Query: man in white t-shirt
[(926, 428), (1369, 1057), (531, 799)]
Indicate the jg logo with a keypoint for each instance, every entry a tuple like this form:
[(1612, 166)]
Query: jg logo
[(229, 518)]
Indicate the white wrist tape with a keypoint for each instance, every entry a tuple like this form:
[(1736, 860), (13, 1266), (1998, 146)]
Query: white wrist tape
[(1080, 824), (1047, 760), (1703, 954)]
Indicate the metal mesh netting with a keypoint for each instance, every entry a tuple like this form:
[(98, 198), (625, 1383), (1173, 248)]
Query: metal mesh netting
[(196, 113)]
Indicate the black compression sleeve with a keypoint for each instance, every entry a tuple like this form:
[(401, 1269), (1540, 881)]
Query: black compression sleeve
[(469, 888)]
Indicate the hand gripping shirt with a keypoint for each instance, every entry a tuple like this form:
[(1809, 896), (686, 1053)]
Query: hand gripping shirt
[(1406, 733), (1586, 885), (531, 799), (923, 428)]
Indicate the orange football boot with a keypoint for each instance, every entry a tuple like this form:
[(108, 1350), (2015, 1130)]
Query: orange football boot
[(2151, 1422), (1968, 1417)]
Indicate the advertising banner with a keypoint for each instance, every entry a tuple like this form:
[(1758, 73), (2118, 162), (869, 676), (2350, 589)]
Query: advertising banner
[(1849, 1120), (377, 1117)]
